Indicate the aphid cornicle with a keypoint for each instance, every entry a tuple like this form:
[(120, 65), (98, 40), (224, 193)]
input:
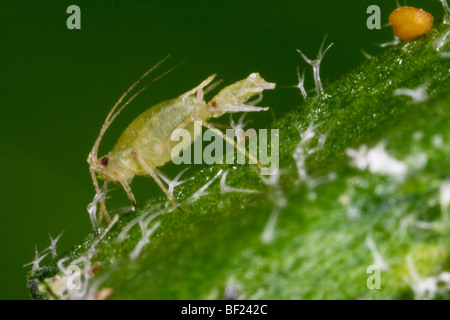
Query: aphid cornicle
[(410, 23), (146, 143)]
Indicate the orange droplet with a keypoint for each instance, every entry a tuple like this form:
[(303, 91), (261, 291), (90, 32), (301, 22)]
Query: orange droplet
[(409, 22)]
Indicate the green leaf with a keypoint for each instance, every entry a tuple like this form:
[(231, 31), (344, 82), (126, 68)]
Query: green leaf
[(364, 181)]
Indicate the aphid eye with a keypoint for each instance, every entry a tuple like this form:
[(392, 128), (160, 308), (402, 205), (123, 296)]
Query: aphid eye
[(104, 161), (410, 23), (213, 104)]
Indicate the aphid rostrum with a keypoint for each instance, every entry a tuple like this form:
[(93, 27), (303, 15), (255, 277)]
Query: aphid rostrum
[(410, 23), (146, 143)]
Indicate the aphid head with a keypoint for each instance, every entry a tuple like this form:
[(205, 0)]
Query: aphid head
[(104, 170), (109, 168), (234, 98), (100, 166)]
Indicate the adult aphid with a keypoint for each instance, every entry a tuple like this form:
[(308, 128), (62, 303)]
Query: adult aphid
[(410, 23), (146, 143)]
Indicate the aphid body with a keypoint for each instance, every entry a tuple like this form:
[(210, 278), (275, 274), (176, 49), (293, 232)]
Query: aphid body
[(146, 143), (410, 23)]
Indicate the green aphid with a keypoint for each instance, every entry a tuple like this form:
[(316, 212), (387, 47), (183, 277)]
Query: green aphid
[(146, 143)]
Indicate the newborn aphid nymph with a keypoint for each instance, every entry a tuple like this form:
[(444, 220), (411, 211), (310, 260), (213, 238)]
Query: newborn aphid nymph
[(146, 143)]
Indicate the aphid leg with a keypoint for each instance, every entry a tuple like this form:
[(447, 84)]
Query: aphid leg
[(102, 201), (231, 141), (130, 194), (101, 198), (223, 136), (155, 177)]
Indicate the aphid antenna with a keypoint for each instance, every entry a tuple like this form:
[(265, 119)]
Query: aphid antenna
[(212, 86), (199, 89), (142, 89)]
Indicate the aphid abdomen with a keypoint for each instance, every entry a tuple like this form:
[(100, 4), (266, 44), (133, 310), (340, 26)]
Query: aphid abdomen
[(149, 134)]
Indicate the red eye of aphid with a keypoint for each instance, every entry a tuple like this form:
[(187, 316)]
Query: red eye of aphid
[(104, 161), (213, 104)]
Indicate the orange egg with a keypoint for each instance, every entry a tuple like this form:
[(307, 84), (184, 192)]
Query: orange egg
[(409, 22)]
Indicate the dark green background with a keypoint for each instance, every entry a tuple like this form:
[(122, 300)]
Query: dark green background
[(57, 86)]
